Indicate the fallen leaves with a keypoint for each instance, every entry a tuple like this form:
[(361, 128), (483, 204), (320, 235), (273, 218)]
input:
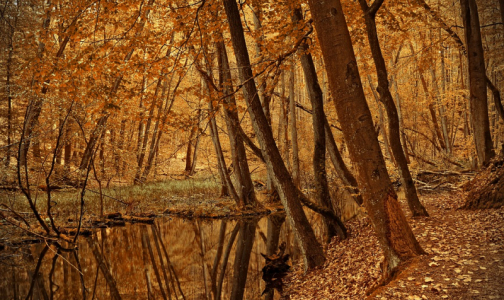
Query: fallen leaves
[(466, 259)]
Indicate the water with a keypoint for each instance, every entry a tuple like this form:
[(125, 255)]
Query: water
[(172, 259)]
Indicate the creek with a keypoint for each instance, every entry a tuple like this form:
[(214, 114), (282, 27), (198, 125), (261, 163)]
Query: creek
[(173, 259)]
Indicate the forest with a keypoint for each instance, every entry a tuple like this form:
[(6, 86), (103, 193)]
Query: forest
[(251, 149)]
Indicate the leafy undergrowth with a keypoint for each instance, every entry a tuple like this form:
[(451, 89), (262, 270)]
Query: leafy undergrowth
[(465, 259)]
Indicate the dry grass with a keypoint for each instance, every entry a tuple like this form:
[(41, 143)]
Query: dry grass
[(66, 203)]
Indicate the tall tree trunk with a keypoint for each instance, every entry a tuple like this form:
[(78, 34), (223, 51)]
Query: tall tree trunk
[(145, 140), (293, 128), (393, 231), (226, 180), (501, 5), (160, 124), (382, 122), (214, 133), (192, 171), (189, 155), (417, 209), (8, 92), (238, 154), (312, 251), (477, 82), (400, 117), (339, 165), (67, 157), (333, 227)]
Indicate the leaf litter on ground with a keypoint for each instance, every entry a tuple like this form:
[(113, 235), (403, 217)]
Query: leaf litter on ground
[(465, 258)]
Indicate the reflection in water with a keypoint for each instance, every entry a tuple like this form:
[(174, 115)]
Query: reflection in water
[(172, 259)]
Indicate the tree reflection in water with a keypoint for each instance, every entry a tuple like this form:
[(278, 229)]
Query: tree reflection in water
[(172, 259)]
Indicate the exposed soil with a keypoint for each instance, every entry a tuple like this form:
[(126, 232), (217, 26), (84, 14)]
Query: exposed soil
[(465, 258)]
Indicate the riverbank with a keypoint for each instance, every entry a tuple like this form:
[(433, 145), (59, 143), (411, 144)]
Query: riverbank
[(189, 198)]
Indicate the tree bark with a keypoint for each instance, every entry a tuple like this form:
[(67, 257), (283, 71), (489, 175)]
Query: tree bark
[(477, 82), (416, 208), (312, 251), (226, 180), (293, 128), (238, 154), (319, 134), (393, 231)]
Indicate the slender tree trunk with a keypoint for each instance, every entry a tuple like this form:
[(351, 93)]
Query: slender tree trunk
[(292, 127), (189, 155), (8, 91), (67, 156), (333, 227), (192, 171), (214, 133), (393, 231), (339, 165), (400, 117), (158, 130), (226, 180), (312, 251), (501, 5), (238, 154), (477, 82), (146, 131), (382, 122), (416, 208)]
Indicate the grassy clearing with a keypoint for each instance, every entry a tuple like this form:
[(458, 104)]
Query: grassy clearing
[(150, 196)]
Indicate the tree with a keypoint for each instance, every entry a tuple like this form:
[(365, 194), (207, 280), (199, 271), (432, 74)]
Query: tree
[(393, 231), (333, 227), (477, 82), (394, 135), (312, 251)]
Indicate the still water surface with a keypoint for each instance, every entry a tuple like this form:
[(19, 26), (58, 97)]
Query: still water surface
[(172, 259)]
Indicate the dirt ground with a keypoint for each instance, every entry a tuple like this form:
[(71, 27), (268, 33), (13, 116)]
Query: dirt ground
[(465, 258)]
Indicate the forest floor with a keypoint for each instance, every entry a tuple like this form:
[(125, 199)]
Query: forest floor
[(465, 258)]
